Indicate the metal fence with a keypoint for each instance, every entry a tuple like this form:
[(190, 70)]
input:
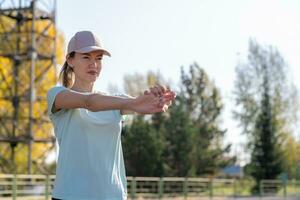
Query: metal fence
[(40, 187)]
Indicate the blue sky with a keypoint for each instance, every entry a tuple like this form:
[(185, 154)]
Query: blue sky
[(164, 35)]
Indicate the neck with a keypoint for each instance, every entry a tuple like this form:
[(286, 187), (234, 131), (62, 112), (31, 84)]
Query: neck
[(83, 87)]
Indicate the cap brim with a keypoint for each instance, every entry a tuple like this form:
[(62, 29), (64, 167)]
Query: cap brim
[(93, 48)]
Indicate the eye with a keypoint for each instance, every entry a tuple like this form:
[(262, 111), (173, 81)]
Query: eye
[(99, 58), (86, 57)]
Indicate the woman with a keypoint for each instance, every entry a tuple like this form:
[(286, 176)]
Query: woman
[(87, 125)]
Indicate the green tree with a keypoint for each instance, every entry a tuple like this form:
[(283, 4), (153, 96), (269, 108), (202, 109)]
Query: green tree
[(142, 148), (266, 158), (143, 128), (179, 154), (188, 137), (158, 123), (265, 108), (203, 106), (291, 152)]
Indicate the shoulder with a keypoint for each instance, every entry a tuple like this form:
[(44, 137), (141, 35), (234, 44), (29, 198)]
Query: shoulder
[(57, 88), (51, 96)]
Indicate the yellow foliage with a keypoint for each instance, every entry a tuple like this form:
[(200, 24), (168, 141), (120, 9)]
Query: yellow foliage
[(291, 150), (45, 77)]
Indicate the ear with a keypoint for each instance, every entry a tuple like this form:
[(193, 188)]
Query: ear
[(70, 61)]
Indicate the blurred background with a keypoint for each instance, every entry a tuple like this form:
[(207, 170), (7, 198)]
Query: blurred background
[(233, 64)]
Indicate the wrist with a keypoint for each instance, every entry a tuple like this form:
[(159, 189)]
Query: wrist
[(129, 104)]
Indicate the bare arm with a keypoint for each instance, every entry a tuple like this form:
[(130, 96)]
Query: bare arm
[(127, 111), (93, 102), (144, 104)]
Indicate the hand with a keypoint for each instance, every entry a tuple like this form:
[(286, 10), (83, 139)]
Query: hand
[(168, 97), (147, 104), (157, 90), (164, 93)]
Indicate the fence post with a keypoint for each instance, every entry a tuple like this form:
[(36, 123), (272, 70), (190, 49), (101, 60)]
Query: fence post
[(133, 188), (284, 188), (47, 187), (234, 188), (185, 188), (14, 187), (211, 192), (260, 188), (160, 188)]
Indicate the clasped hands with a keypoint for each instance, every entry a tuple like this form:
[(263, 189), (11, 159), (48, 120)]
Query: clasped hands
[(156, 99)]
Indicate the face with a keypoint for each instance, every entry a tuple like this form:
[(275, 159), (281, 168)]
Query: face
[(87, 66)]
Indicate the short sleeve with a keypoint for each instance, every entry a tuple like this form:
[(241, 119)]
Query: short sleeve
[(51, 94)]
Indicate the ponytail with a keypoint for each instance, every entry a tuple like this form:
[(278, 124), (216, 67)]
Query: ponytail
[(66, 74)]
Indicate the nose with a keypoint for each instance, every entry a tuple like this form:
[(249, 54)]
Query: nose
[(94, 63)]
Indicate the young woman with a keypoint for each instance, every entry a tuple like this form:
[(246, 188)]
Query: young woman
[(87, 125)]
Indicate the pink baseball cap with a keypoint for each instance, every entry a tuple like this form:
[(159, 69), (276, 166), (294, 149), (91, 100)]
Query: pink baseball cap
[(84, 42)]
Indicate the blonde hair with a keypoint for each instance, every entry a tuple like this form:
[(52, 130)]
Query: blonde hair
[(67, 74)]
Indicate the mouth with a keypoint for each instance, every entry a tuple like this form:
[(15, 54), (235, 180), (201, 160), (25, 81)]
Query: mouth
[(93, 73)]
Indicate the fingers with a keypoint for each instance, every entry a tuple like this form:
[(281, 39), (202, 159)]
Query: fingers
[(159, 90), (160, 109), (162, 89), (161, 101), (168, 103), (164, 104), (155, 90), (160, 106), (163, 98), (169, 97), (150, 104)]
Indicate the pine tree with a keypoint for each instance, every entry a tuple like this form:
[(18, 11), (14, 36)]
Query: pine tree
[(265, 108), (266, 158), (179, 153), (203, 106)]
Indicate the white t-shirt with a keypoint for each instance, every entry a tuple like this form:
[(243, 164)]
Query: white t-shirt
[(90, 161)]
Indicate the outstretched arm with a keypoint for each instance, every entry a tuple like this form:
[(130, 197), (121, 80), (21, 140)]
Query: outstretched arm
[(143, 104)]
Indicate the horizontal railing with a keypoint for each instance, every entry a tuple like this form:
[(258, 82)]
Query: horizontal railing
[(40, 187)]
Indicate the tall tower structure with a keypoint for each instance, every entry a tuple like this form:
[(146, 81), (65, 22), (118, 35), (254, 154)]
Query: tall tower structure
[(27, 69)]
